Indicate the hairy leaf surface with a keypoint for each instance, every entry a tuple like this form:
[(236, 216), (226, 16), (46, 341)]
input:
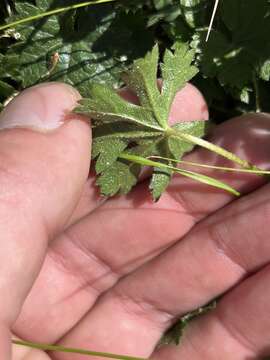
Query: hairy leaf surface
[(141, 130)]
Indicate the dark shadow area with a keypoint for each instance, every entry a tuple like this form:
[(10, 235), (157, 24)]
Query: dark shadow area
[(239, 43), (41, 23), (93, 43), (261, 357), (126, 37), (197, 13), (234, 62)]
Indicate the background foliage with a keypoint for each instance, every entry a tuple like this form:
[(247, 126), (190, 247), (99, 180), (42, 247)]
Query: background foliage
[(95, 44)]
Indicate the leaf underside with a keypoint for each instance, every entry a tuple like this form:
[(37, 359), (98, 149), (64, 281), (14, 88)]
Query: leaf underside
[(140, 129)]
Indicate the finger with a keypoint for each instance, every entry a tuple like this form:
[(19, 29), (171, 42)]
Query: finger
[(148, 299), (237, 329), (188, 105), (90, 200), (81, 264), (41, 178)]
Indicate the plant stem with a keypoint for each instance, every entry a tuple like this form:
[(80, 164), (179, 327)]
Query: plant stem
[(187, 173), (54, 12), (47, 347), (213, 167), (214, 148)]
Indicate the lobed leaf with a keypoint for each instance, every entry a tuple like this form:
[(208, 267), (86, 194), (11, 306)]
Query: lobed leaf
[(140, 130), (106, 105), (125, 133), (177, 70)]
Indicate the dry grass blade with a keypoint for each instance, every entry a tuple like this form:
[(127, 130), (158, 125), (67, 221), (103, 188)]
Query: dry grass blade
[(212, 19)]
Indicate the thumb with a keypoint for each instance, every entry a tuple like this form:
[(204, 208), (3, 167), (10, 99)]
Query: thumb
[(44, 163)]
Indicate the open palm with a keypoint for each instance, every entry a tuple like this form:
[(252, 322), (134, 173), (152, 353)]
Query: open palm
[(113, 275)]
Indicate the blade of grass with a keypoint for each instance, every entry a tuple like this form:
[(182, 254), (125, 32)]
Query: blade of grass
[(190, 174), (47, 347), (222, 168), (212, 20), (53, 12)]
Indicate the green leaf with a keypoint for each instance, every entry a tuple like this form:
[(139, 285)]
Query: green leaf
[(179, 148), (177, 70), (174, 334), (6, 90), (172, 146), (239, 46), (107, 106), (195, 12), (107, 152), (166, 10), (142, 130), (91, 44), (161, 176), (142, 79), (119, 178), (265, 70), (159, 182)]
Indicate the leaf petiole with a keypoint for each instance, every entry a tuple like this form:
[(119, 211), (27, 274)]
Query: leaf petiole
[(213, 148)]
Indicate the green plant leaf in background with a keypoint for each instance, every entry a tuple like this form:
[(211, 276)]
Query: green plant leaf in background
[(234, 53), (234, 63), (90, 44), (96, 43), (238, 51)]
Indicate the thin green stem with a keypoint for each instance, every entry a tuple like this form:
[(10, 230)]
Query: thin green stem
[(53, 12), (214, 148), (46, 347), (190, 174), (222, 168)]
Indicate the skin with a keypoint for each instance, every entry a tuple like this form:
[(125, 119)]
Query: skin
[(113, 275)]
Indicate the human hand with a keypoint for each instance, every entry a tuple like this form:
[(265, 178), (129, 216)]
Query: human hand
[(114, 274)]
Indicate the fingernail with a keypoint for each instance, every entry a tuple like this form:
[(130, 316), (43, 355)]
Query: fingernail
[(41, 108)]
